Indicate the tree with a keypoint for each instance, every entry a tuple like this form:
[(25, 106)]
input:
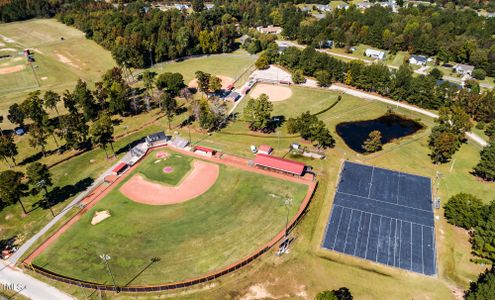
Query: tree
[(479, 74), (483, 288), (312, 129), (169, 106), (374, 142), (118, 98), (298, 77), (8, 148), (486, 166), (342, 293), (74, 130), (463, 210), (203, 81), (38, 137), (50, 100), (85, 100), (436, 73), (39, 177), (12, 189), (101, 132), (198, 5), (171, 83), (16, 115), (258, 113), (148, 78), (490, 130), (443, 145), (215, 84), (324, 78), (262, 63)]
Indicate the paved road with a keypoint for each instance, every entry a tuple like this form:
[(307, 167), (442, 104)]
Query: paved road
[(27, 285)]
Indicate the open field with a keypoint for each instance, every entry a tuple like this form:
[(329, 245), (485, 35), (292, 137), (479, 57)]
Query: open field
[(58, 63), (231, 65), (240, 213)]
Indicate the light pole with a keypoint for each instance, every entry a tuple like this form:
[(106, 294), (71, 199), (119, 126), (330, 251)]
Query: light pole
[(106, 258)]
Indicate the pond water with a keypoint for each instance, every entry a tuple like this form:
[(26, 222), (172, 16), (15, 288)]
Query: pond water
[(391, 126)]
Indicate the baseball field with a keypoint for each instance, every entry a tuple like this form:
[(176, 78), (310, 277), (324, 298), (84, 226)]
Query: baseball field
[(233, 213)]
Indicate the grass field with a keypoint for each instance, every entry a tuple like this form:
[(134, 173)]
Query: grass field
[(152, 168), (59, 63), (233, 65), (240, 213)]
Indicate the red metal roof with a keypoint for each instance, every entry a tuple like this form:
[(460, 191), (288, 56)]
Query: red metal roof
[(281, 164), (119, 167), (205, 149)]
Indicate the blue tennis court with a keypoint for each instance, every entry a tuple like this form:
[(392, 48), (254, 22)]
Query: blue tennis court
[(384, 216)]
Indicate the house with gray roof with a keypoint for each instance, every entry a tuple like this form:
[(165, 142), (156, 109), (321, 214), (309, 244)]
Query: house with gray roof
[(464, 69)]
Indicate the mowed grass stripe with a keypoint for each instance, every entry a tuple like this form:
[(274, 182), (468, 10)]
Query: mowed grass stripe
[(233, 219)]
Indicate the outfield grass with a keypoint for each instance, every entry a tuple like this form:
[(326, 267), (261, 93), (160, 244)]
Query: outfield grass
[(240, 213), (59, 63), (232, 65), (152, 167)]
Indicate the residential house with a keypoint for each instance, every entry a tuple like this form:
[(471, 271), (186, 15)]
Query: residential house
[(376, 54), (323, 7), (418, 60), (270, 29), (464, 69), (181, 6)]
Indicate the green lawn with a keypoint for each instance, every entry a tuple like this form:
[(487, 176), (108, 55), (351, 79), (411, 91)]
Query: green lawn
[(240, 213), (152, 167), (59, 63), (232, 65)]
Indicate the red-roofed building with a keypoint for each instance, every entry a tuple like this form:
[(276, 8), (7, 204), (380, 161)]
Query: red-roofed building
[(265, 149), (204, 150), (120, 168), (280, 164)]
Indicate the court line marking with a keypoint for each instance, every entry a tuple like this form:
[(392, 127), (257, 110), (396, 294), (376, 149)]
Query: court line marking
[(400, 244), (358, 233), (347, 231), (385, 202), (410, 244), (389, 234), (378, 239), (368, 236), (383, 216), (371, 182), (338, 228), (422, 250)]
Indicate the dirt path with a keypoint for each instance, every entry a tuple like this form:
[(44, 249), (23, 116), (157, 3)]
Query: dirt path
[(201, 178), (226, 81)]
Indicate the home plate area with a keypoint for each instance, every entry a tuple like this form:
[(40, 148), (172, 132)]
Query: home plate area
[(383, 216)]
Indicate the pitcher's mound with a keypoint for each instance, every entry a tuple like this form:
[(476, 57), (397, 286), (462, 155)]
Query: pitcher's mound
[(275, 92), (226, 81), (168, 170)]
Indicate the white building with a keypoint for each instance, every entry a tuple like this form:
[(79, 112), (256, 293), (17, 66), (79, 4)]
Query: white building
[(181, 6), (376, 54), (418, 60), (323, 7), (464, 69)]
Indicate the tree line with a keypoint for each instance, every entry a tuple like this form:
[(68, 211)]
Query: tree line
[(449, 34)]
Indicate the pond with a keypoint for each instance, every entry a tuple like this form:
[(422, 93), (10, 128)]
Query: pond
[(390, 125)]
